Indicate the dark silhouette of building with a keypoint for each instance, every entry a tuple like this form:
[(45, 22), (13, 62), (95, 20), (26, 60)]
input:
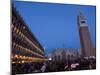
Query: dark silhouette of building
[(85, 38)]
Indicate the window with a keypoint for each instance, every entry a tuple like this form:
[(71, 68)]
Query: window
[(82, 22)]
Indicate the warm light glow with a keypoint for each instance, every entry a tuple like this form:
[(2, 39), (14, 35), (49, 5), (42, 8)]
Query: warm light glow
[(27, 50), (25, 59), (16, 56), (16, 30)]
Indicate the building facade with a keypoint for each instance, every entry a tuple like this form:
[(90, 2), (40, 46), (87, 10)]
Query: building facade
[(64, 54), (85, 38), (25, 47)]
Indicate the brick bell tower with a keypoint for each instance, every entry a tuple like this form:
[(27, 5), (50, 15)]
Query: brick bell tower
[(85, 38)]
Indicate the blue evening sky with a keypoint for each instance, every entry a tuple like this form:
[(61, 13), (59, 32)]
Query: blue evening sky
[(55, 25)]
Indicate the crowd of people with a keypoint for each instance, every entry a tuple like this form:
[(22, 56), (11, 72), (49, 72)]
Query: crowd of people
[(52, 66), (24, 68)]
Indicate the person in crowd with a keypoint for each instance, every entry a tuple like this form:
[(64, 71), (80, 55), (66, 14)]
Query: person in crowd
[(43, 68)]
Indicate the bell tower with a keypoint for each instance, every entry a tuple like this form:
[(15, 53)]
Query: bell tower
[(85, 38)]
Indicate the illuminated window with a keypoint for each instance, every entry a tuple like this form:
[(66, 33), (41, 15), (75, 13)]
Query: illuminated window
[(17, 31), (23, 27), (15, 28)]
